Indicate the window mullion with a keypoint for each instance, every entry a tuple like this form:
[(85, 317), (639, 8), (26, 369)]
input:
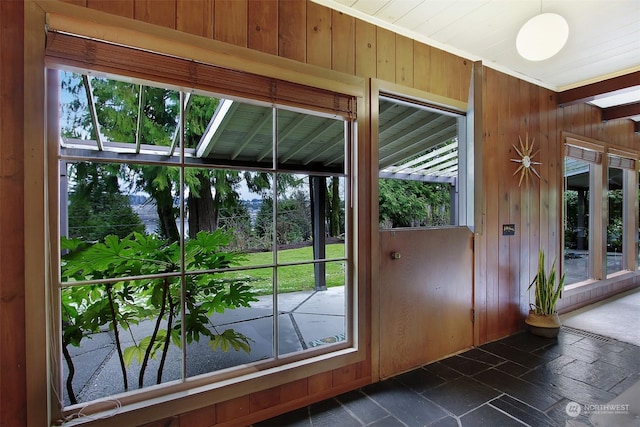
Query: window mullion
[(598, 217), (274, 235), (629, 219), (183, 290)]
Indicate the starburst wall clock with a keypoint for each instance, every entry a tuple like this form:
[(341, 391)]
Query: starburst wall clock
[(527, 164)]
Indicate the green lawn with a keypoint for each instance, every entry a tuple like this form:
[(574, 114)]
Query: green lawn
[(294, 277)]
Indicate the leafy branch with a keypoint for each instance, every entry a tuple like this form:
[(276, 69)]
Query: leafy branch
[(118, 305)]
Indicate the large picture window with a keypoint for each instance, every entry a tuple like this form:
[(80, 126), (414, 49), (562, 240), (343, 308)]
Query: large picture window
[(198, 233), (579, 182), (615, 235), (599, 213)]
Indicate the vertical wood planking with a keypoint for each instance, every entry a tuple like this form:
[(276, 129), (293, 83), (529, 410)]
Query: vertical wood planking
[(195, 17), (294, 390), (422, 66), (13, 376), (344, 375), (234, 408), (598, 125), (465, 66), (318, 35), (262, 26), (114, 7), (519, 112), (404, 61), (366, 49), (203, 417), (292, 32), (158, 12), (320, 382), (264, 399), (453, 69), (230, 22), (423, 321), (438, 77), (547, 181), (385, 55), (508, 135), (343, 42), (529, 250), (491, 154), (556, 183), (476, 97)]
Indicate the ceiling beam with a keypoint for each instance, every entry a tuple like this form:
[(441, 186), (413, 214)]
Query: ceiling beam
[(621, 111), (596, 90)]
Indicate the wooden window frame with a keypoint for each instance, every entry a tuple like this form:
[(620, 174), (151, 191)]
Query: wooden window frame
[(42, 403), (598, 220)]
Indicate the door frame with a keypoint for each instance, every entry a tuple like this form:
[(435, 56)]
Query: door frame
[(472, 108)]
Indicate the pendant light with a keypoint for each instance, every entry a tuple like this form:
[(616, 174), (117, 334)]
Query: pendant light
[(542, 36)]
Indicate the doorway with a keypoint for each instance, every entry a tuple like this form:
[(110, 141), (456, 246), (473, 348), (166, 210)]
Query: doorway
[(425, 248)]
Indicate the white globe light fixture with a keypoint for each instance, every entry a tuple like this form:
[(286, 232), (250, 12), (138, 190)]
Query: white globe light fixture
[(542, 36)]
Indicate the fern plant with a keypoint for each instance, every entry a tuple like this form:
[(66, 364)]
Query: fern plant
[(547, 290)]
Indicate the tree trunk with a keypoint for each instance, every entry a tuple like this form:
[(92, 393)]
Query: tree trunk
[(166, 214), (116, 335), (202, 214), (334, 218), (72, 372)]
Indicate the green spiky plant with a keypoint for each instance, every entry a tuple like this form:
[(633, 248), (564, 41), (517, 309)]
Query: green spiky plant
[(547, 290)]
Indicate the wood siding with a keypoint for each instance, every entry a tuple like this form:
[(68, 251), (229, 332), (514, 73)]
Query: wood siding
[(12, 285), (305, 32)]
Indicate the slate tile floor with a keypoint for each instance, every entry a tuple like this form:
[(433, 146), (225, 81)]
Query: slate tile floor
[(520, 381)]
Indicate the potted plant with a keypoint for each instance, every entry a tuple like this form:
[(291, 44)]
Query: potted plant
[(543, 318)]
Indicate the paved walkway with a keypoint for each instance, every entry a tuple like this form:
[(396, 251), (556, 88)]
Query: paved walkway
[(305, 319)]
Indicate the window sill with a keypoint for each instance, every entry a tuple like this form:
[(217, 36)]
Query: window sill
[(588, 285), (193, 396)]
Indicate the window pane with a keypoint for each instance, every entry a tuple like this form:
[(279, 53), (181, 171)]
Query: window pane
[(577, 183), (230, 132), (418, 165), (229, 319), (107, 336), (113, 217), (234, 207), (310, 143), (311, 314), (615, 258), (117, 116)]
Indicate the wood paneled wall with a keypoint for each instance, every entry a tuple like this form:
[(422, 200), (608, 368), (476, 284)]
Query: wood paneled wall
[(12, 284), (305, 32), (505, 265), (514, 110)]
